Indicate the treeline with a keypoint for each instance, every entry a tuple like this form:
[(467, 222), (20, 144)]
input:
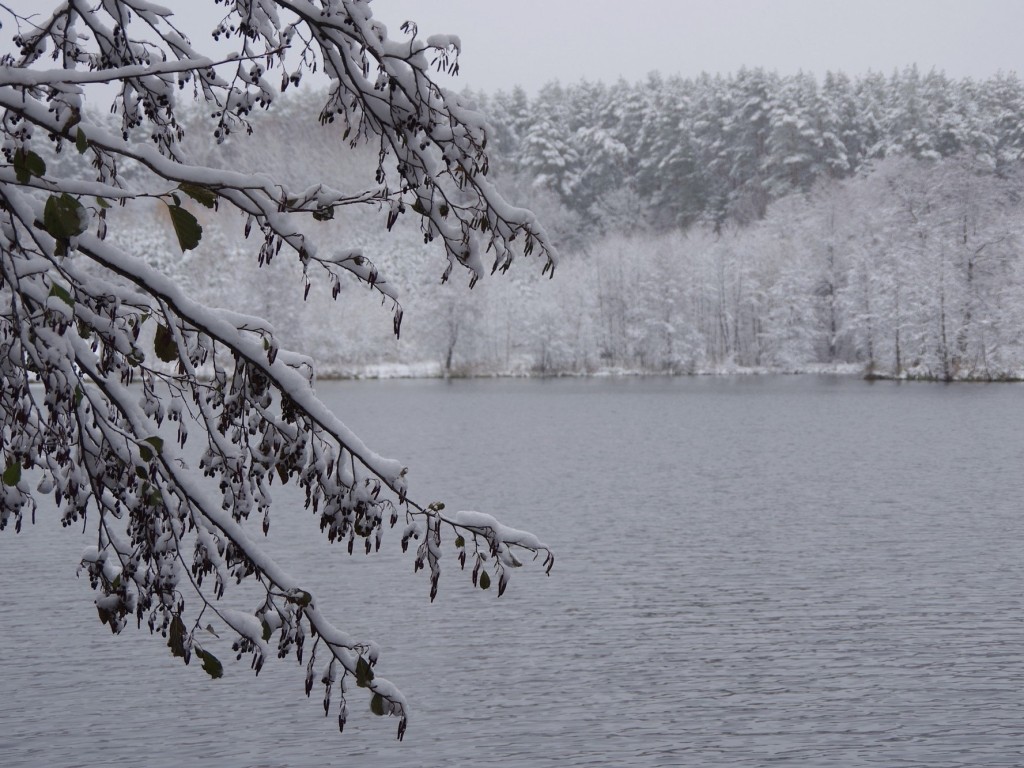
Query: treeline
[(913, 270), (716, 149), (741, 222)]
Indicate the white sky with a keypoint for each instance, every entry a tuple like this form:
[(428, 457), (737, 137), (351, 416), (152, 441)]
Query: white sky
[(530, 42)]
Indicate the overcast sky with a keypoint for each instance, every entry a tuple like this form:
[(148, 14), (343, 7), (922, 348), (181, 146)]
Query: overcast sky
[(529, 42)]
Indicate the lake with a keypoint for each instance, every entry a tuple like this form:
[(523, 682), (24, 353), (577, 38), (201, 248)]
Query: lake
[(750, 571)]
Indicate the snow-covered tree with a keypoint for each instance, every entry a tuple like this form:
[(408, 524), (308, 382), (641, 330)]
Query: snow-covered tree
[(1002, 111), (546, 152), (110, 367), (510, 115), (795, 147), (668, 173)]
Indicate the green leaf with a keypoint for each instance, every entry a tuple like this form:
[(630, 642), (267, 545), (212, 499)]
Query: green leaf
[(151, 447), (102, 203), (27, 165), (201, 195), (211, 664), (267, 631), (323, 214), (485, 580), (163, 344), (377, 705), (12, 474), (157, 443), (364, 673), (79, 394), (185, 227), (62, 293), (176, 637), (81, 143), (460, 542), (64, 217)]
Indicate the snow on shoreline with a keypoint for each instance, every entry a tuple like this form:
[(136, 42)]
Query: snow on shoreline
[(434, 370)]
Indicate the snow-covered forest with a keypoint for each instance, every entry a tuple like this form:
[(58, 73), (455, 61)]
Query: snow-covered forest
[(871, 224)]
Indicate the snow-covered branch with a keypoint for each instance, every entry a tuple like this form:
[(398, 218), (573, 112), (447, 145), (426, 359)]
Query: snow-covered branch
[(110, 368)]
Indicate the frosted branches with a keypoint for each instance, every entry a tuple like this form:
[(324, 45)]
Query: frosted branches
[(110, 370)]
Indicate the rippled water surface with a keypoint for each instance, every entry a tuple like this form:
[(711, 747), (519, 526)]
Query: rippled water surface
[(756, 571)]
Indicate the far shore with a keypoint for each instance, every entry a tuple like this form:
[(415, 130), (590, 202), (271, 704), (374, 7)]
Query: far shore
[(432, 370)]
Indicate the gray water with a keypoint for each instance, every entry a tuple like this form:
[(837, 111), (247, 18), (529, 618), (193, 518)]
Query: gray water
[(752, 571)]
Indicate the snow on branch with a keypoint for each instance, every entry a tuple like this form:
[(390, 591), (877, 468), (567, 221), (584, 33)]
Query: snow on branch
[(110, 369)]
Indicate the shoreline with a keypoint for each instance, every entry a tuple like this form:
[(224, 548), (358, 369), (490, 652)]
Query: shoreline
[(427, 370)]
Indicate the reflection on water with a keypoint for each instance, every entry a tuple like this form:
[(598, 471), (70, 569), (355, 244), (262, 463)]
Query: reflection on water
[(795, 571)]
